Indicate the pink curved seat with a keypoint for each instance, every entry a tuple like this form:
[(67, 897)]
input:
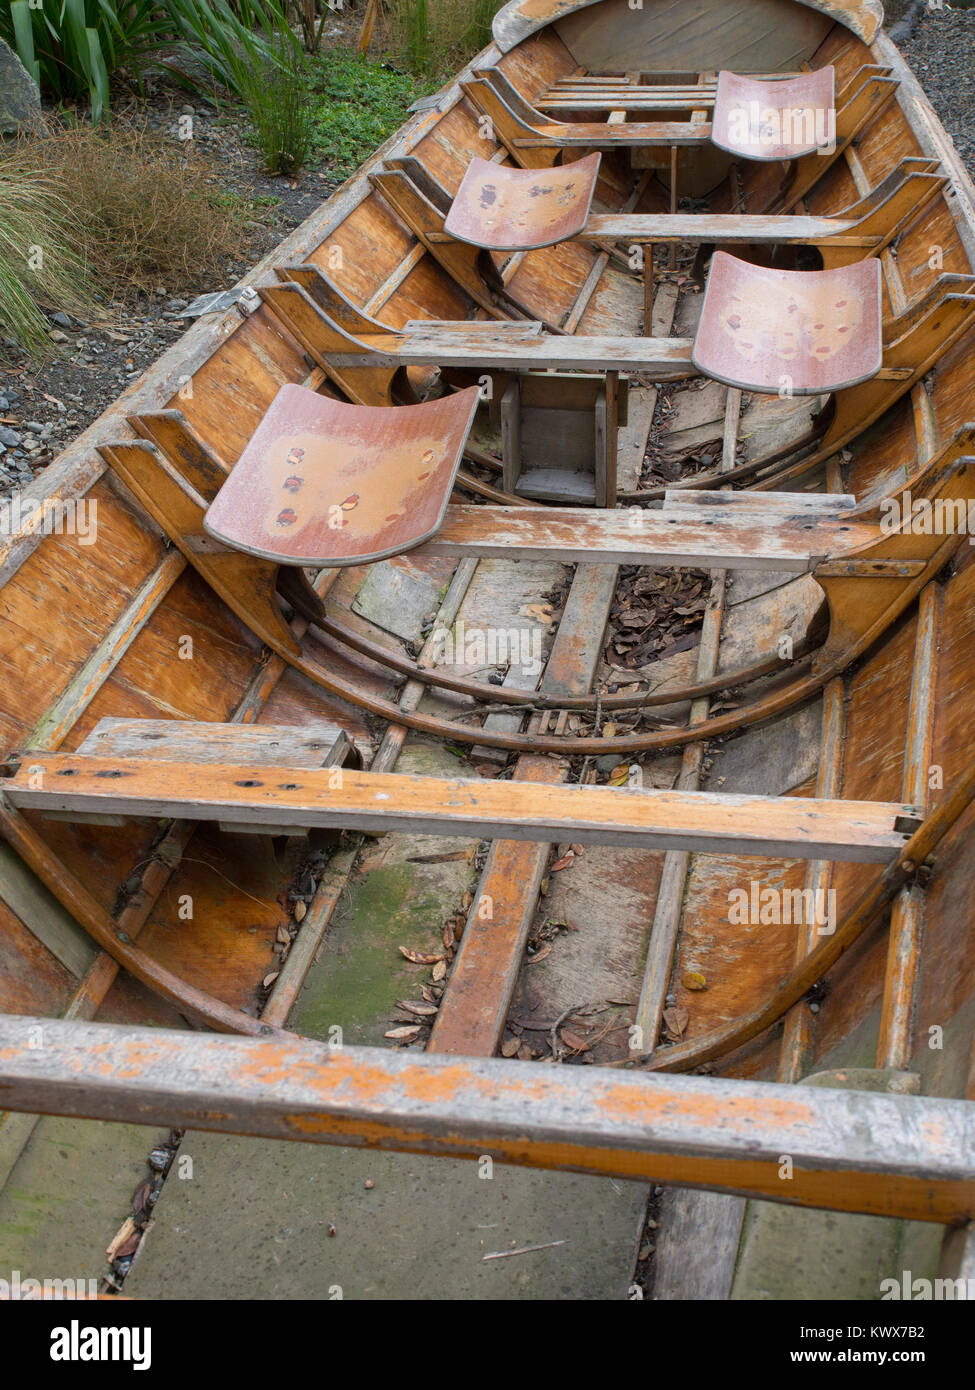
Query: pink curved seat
[(780, 119), (504, 209), (799, 332), (325, 483)]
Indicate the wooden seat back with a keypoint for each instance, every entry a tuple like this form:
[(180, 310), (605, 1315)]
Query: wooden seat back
[(795, 332), (326, 483), (504, 209), (783, 119)]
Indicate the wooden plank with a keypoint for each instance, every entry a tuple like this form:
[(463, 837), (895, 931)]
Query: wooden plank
[(68, 708), (475, 1005), (696, 1231), (666, 358), (909, 1156), (789, 503), (726, 228), (322, 744), (43, 915), (731, 540), (861, 831)]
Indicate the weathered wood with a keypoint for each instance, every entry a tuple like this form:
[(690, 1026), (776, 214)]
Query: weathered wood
[(909, 1156), (722, 537), (861, 831), (472, 1013)]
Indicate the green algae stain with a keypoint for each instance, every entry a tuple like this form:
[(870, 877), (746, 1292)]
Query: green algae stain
[(362, 974)]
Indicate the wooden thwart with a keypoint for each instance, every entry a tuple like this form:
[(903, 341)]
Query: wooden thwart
[(798, 827), (887, 1155)]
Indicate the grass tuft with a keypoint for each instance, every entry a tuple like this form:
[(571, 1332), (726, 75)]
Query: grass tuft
[(144, 216), (41, 271)]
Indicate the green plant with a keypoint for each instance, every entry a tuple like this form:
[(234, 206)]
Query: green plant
[(434, 34), (73, 47), (356, 106), (275, 95), (143, 214), (40, 269)]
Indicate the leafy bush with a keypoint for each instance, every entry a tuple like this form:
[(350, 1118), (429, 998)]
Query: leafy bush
[(143, 214), (356, 106), (73, 47), (40, 271)]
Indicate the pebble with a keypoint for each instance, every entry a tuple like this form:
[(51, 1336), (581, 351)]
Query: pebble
[(57, 336), (61, 319), (607, 762), (942, 55), (9, 437), (34, 426)]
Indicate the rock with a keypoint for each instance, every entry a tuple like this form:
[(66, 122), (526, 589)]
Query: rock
[(61, 319), (34, 426), (57, 336), (9, 438), (607, 762), (20, 99)]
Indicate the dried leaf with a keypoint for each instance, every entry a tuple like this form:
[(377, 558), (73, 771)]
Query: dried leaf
[(676, 1020), (510, 1046), (525, 1053), (619, 775), (448, 934), (300, 908), (440, 969), (574, 1040), (140, 1198), (693, 979), (407, 1034), (419, 957), (576, 850), (269, 979), (562, 863), (413, 1006), (541, 953), (283, 936), (609, 730)]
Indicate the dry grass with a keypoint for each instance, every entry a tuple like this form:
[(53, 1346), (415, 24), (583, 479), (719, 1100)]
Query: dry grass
[(145, 215), (435, 35), (41, 270)]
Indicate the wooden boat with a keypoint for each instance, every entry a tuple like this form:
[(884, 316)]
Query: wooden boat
[(208, 724)]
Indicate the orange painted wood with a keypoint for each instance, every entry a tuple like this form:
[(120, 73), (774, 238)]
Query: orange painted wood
[(861, 831)]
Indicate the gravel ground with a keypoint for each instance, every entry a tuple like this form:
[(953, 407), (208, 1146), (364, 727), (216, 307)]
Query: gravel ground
[(942, 54), (42, 408)]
